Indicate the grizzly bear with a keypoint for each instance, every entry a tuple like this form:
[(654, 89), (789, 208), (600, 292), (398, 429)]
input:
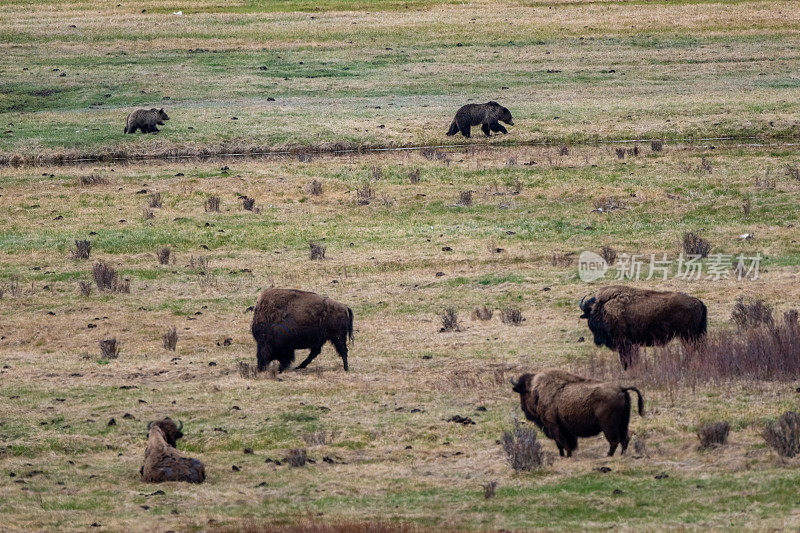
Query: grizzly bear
[(145, 120), (488, 115)]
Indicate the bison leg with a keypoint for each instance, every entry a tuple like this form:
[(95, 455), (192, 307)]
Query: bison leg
[(497, 128), (341, 349), (285, 357), (485, 130), (612, 447), (315, 351), (263, 355)]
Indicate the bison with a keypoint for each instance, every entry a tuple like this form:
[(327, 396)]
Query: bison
[(565, 406), (162, 461), (285, 320), (624, 318)]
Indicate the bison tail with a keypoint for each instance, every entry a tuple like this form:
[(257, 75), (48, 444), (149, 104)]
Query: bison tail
[(453, 128), (350, 323), (639, 394)]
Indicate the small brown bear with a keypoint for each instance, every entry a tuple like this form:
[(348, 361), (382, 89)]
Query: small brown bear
[(488, 115), (145, 120)]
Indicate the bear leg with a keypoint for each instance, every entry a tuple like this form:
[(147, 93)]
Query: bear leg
[(485, 130), (497, 127)]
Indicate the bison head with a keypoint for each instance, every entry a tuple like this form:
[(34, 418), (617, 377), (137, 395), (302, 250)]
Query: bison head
[(528, 397), (172, 431), (523, 384), (587, 306)]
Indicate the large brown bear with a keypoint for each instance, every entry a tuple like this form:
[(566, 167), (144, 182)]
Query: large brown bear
[(488, 115), (145, 120)]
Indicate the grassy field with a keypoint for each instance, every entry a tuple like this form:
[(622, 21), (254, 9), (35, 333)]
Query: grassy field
[(402, 246), (388, 73), (395, 458)]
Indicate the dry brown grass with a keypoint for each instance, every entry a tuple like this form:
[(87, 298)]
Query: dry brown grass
[(389, 279)]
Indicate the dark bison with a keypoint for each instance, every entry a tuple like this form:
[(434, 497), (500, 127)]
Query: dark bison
[(162, 461), (624, 318), (285, 320), (565, 406), (488, 115)]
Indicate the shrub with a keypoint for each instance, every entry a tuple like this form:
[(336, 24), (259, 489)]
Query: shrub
[(511, 315), (620, 153), (523, 450), (483, 313), (465, 198), (489, 489), (155, 200), (705, 165), (92, 179), (414, 175), (123, 286), (171, 338), (104, 276), (449, 320), (147, 214), (432, 154), (608, 254), (85, 288), (163, 255), (246, 370), (199, 263), (248, 204), (693, 244), (751, 315), (82, 250), (563, 150), (317, 251), (376, 172), (315, 188), (783, 435), (109, 348), (713, 434), (316, 438), (656, 145), (608, 204), (297, 457), (562, 259), (766, 353), (365, 194), (793, 171), (747, 206), (212, 204)]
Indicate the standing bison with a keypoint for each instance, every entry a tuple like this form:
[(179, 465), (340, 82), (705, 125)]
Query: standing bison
[(624, 318), (565, 406), (285, 320)]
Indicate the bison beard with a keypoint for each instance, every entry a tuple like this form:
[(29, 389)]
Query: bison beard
[(565, 407), (623, 318), (285, 320)]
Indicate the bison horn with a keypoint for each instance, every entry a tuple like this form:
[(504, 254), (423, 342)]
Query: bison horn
[(581, 304), (513, 383), (180, 427), (149, 424)]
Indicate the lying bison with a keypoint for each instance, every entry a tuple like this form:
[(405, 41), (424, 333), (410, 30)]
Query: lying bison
[(285, 320), (565, 406), (162, 462), (624, 318)]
